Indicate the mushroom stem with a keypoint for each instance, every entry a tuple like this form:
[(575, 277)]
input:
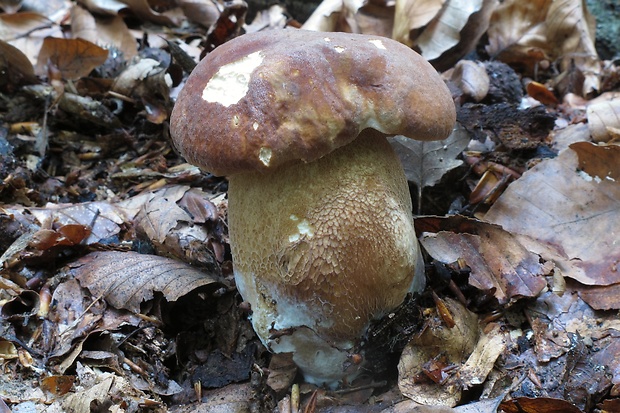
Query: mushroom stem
[(321, 249)]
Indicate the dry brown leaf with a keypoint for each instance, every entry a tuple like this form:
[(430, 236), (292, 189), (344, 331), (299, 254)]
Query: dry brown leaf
[(438, 342), (571, 32), (371, 18), (517, 27), (538, 405), (140, 8), (107, 32), (126, 279), (603, 297), (524, 33), (411, 15), (472, 78), (147, 81), (74, 58), (103, 219), (498, 260), (76, 316), (57, 385), (326, 16), (474, 29), (26, 32), (601, 117), (160, 214), (492, 344), (203, 12), (8, 351), (15, 67), (562, 138), (599, 161), (442, 31), (176, 232), (556, 203)]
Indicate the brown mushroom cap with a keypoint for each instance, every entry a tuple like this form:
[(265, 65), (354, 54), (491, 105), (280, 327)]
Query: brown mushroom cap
[(272, 98)]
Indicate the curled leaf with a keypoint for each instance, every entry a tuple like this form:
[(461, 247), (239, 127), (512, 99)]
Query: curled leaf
[(602, 118)]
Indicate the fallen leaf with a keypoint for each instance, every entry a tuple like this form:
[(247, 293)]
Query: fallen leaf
[(556, 203), (442, 31), (425, 163), (524, 34), (517, 32), (74, 58), (57, 385), (330, 16), (146, 80), (203, 12), (126, 279), (161, 214), (498, 260), (472, 78), (26, 31), (601, 117), (15, 67), (491, 345), (540, 92), (538, 405), (82, 400), (75, 315), (443, 28), (7, 350), (438, 341), (268, 19), (482, 406), (583, 342), (411, 15), (604, 297), (101, 218), (108, 31), (599, 161), (174, 220), (571, 33)]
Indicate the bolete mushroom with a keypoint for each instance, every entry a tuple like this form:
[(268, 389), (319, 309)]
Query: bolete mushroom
[(319, 211)]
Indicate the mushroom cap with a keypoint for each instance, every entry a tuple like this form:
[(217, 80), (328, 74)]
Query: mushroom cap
[(272, 98)]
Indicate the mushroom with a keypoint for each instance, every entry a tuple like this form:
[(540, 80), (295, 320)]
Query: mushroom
[(319, 214)]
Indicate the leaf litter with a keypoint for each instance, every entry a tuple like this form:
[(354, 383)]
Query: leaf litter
[(117, 289)]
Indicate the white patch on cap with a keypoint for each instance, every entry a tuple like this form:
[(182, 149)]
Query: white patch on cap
[(265, 155), (327, 39), (339, 49), (378, 43), (231, 82), (255, 126)]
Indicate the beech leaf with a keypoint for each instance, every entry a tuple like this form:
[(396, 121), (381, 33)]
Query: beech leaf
[(557, 203), (444, 345), (499, 261), (126, 279), (426, 162), (75, 58), (604, 119)]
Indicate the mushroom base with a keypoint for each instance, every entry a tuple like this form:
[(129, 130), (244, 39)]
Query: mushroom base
[(322, 249)]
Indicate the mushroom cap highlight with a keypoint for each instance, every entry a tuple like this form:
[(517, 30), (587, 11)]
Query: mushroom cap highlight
[(267, 99)]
